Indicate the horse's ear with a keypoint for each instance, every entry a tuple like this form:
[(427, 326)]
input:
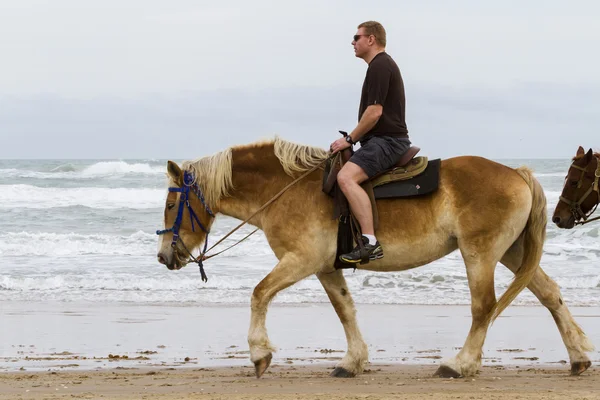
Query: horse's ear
[(175, 173), (589, 155), (580, 151)]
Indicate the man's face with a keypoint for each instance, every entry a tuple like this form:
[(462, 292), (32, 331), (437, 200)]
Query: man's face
[(360, 43)]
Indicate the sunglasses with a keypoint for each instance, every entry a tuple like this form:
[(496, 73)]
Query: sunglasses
[(357, 37)]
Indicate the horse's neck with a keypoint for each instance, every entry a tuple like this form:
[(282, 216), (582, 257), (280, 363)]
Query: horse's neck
[(256, 180)]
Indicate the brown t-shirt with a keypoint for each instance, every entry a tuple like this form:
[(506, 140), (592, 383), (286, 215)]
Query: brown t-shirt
[(383, 85)]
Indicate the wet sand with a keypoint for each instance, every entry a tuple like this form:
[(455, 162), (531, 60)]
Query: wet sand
[(41, 337), (55, 351)]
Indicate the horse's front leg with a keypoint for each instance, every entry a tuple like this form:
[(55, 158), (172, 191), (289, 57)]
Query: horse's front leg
[(357, 355), (288, 271)]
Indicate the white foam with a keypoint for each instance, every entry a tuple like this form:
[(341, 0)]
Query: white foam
[(28, 196), (552, 174), (112, 168), (231, 281), (157, 285), (74, 244), (68, 167), (137, 244)]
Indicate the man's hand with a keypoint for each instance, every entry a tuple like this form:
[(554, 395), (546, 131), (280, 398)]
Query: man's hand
[(339, 145)]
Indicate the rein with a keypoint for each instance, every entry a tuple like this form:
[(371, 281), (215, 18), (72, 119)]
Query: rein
[(189, 182), (575, 205)]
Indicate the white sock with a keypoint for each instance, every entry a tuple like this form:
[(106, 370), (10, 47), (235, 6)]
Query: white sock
[(372, 238)]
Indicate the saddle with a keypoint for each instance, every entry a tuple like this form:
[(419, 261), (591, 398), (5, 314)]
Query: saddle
[(407, 167), (411, 176)]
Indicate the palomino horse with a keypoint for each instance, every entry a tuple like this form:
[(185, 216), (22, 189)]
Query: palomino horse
[(580, 195), (490, 212)]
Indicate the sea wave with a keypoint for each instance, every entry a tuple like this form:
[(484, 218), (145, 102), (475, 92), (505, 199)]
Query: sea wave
[(160, 286), (551, 174), (75, 244), (28, 196), (119, 168), (101, 169), (68, 167), (137, 244)]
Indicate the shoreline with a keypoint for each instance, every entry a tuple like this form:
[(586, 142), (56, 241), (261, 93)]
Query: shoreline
[(83, 337)]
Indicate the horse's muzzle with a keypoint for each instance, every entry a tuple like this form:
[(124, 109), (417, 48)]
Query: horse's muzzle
[(564, 223), (172, 263), (164, 259)]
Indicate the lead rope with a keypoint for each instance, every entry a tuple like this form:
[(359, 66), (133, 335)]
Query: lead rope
[(202, 257)]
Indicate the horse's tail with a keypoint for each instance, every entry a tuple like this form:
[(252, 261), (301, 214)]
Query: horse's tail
[(534, 236)]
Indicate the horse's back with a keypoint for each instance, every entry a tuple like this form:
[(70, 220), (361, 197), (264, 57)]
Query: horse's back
[(473, 191), (469, 179), (466, 183), (484, 196)]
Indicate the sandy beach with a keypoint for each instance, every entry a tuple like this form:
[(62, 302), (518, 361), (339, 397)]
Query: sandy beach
[(380, 381), (62, 350)]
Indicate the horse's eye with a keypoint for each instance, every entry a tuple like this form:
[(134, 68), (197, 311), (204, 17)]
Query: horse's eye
[(170, 206), (574, 183)]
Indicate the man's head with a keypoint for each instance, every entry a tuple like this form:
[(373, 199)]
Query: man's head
[(369, 40)]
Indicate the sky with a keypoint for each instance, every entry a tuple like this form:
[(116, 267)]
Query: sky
[(148, 79)]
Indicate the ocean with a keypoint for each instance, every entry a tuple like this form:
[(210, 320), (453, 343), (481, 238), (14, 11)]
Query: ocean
[(83, 231)]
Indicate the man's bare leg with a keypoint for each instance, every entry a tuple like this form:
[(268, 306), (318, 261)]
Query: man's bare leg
[(349, 179)]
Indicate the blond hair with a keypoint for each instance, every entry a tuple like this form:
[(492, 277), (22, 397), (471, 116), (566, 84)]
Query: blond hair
[(376, 29)]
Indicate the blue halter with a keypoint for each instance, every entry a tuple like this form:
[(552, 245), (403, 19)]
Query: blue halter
[(189, 183)]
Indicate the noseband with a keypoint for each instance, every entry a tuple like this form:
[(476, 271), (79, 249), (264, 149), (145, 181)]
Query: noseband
[(189, 184), (575, 205)]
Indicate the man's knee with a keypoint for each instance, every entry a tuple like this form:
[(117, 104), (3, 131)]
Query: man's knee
[(350, 176), (344, 179)]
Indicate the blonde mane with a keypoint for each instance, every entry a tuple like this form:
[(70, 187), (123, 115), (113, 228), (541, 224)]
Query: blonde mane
[(214, 173), (297, 158)]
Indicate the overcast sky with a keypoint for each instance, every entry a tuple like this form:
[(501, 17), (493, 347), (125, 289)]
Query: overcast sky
[(185, 78)]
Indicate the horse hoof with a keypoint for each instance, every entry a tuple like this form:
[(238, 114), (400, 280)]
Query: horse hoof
[(447, 372), (577, 368), (340, 372), (261, 365)]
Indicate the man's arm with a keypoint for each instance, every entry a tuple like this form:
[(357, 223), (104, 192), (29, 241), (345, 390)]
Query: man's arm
[(367, 121)]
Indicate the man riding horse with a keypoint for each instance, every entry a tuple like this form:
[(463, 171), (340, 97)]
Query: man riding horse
[(381, 131)]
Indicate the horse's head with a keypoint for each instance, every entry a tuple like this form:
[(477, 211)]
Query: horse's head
[(188, 219), (580, 196)]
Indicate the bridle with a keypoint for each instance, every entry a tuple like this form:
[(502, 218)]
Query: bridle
[(575, 205), (189, 184)]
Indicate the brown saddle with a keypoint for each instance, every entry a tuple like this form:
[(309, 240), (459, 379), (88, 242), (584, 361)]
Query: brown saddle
[(407, 167)]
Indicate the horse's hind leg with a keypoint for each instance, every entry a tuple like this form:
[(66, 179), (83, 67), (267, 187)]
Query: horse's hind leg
[(548, 293), (357, 354), (480, 272), (288, 271)]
